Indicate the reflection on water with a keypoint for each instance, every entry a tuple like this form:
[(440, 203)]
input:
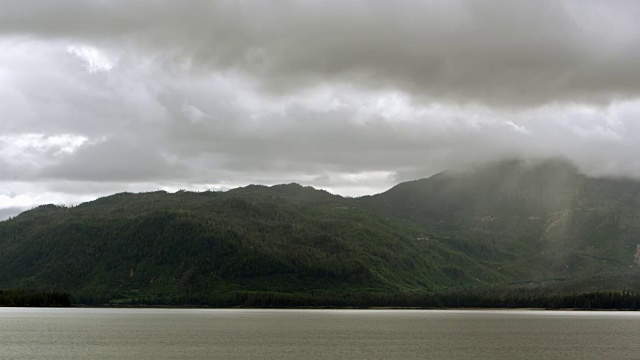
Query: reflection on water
[(84, 333)]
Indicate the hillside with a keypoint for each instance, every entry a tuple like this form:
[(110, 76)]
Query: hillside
[(286, 239), (509, 225), (545, 221)]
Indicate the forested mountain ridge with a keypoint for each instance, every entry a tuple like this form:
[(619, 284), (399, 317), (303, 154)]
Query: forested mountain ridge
[(544, 216), (284, 238), (513, 224)]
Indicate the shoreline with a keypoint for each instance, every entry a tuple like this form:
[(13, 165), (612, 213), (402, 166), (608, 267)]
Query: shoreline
[(319, 308)]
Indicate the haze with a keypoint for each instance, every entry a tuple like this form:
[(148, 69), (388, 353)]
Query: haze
[(101, 96)]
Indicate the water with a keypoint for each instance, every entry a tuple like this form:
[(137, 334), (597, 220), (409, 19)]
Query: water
[(81, 333)]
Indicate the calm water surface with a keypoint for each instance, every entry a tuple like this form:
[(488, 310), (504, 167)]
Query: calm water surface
[(80, 333)]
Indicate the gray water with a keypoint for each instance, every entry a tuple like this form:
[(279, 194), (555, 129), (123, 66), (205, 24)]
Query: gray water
[(81, 333)]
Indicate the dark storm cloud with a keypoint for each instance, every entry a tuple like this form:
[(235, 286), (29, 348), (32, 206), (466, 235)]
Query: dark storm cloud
[(494, 52)]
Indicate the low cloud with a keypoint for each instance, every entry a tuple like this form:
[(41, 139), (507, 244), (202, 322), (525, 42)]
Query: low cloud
[(7, 213), (114, 160), (108, 96)]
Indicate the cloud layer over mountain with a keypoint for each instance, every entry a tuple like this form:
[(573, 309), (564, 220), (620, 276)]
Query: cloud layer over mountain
[(102, 96)]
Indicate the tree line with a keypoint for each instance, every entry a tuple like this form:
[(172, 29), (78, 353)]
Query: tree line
[(28, 298), (623, 300)]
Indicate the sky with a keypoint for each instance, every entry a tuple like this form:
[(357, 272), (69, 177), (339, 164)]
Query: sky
[(106, 96)]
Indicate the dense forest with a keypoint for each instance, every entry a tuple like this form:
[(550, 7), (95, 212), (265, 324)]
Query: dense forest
[(513, 234), (19, 297), (621, 300)]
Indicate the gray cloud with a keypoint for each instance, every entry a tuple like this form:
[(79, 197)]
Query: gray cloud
[(114, 160), (493, 52), (107, 96), (10, 212)]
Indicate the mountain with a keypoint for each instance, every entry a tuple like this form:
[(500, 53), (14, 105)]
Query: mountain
[(539, 222), (508, 225), (286, 239)]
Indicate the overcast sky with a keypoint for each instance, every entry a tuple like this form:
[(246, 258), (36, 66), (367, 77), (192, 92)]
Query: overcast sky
[(103, 96)]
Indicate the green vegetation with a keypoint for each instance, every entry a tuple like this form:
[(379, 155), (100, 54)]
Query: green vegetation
[(23, 298), (130, 248), (455, 239), (464, 298)]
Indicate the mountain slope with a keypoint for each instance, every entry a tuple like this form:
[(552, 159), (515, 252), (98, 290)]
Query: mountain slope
[(512, 224), (544, 219), (285, 238)]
